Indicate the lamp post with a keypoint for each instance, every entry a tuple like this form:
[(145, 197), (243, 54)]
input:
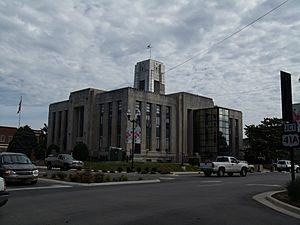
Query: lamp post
[(133, 121)]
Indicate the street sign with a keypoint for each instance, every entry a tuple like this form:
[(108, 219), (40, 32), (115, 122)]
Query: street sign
[(290, 140)]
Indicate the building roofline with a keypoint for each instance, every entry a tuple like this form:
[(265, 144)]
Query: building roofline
[(187, 93), (8, 127), (87, 89)]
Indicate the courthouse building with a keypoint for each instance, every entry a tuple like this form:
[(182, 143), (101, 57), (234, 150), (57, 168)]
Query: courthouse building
[(172, 126)]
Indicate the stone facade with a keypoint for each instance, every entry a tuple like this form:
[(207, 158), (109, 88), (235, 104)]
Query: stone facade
[(99, 119)]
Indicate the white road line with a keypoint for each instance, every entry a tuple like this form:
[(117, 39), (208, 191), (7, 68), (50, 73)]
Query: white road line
[(39, 188), (265, 185), (166, 178), (211, 181)]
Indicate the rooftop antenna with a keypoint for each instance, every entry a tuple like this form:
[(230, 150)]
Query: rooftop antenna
[(149, 47)]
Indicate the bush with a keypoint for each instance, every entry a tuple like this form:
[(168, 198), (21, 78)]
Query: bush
[(123, 178), (87, 177), (107, 178), (53, 149), (194, 161), (75, 177), (138, 169), (61, 175), (81, 152), (120, 169), (53, 175), (293, 188), (99, 177), (153, 170)]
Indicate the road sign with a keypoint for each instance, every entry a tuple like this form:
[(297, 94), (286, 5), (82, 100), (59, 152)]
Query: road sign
[(290, 127), (290, 140)]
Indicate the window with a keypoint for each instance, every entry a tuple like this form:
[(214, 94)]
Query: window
[(109, 133), (148, 126), (158, 127), (119, 119), (101, 126), (2, 138), (168, 128)]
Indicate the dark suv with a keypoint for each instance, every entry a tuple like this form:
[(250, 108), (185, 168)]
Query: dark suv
[(17, 167)]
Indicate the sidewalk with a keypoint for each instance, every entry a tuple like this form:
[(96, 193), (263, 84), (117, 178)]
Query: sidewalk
[(267, 199)]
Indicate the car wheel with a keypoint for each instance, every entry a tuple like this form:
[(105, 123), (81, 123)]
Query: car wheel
[(243, 172), (3, 203), (221, 172), (49, 166), (207, 174), (251, 170)]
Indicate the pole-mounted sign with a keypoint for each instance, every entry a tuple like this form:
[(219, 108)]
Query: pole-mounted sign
[(290, 137)]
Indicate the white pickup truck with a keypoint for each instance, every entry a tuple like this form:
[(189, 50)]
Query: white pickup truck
[(224, 164)]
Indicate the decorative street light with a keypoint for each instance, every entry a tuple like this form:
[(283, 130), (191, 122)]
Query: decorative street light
[(134, 122)]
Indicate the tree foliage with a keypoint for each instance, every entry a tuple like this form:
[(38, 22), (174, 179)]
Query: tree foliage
[(24, 141), (265, 141), (81, 151)]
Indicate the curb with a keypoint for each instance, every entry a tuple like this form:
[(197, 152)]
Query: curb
[(267, 199), (102, 184)]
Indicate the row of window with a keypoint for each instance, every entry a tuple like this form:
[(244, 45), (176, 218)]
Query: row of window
[(3, 138), (138, 106)]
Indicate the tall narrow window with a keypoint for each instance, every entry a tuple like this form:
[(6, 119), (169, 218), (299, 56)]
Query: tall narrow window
[(168, 128), (119, 119), (101, 126), (148, 126), (109, 124), (158, 127)]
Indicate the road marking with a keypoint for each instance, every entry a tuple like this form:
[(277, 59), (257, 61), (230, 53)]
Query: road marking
[(210, 185), (166, 178), (265, 185), (211, 181), (38, 188)]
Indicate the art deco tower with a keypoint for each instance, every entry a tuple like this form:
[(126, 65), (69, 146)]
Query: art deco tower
[(149, 75)]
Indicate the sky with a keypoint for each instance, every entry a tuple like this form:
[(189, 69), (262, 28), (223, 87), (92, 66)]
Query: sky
[(50, 48)]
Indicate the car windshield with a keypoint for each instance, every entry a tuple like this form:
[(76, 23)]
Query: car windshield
[(69, 157), (15, 159)]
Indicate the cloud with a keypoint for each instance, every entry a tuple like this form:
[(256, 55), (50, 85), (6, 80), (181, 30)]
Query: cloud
[(49, 49)]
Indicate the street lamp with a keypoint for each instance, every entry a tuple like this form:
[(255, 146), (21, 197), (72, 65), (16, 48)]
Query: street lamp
[(133, 121)]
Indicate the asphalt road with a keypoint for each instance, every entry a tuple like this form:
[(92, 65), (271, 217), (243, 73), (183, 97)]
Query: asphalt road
[(183, 200)]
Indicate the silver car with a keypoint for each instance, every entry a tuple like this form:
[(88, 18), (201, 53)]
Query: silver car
[(17, 167), (3, 192)]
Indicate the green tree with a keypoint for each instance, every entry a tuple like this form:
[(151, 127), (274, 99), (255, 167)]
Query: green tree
[(265, 141), (42, 143), (24, 141), (81, 151), (53, 149)]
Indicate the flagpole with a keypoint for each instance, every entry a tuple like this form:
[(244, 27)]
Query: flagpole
[(19, 119)]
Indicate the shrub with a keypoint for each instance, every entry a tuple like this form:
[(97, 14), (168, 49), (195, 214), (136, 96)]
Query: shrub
[(75, 177), (120, 169), (61, 175), (144, 172), (154, 170), (53, 175), (194, 161), (99, 177), (293, 188), (107, 178), (123, 178), (45, 174), (140, 178), (87, 177), (53, 149), (147, 169), (138, 169), (81, 152)]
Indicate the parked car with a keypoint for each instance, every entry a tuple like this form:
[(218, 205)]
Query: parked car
[(224, 164), (17, 167), (3, 192), (251, 167), (63, 161), (286, 165)]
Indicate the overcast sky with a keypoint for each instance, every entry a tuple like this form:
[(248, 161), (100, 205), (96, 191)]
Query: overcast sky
[(51, 48)]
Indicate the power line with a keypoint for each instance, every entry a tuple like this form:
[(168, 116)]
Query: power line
[(229, 36)]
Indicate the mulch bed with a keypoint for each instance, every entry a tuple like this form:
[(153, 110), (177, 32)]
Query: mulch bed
[(283, 196)]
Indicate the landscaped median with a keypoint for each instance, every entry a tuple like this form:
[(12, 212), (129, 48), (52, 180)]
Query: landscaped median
[(103, 172)]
